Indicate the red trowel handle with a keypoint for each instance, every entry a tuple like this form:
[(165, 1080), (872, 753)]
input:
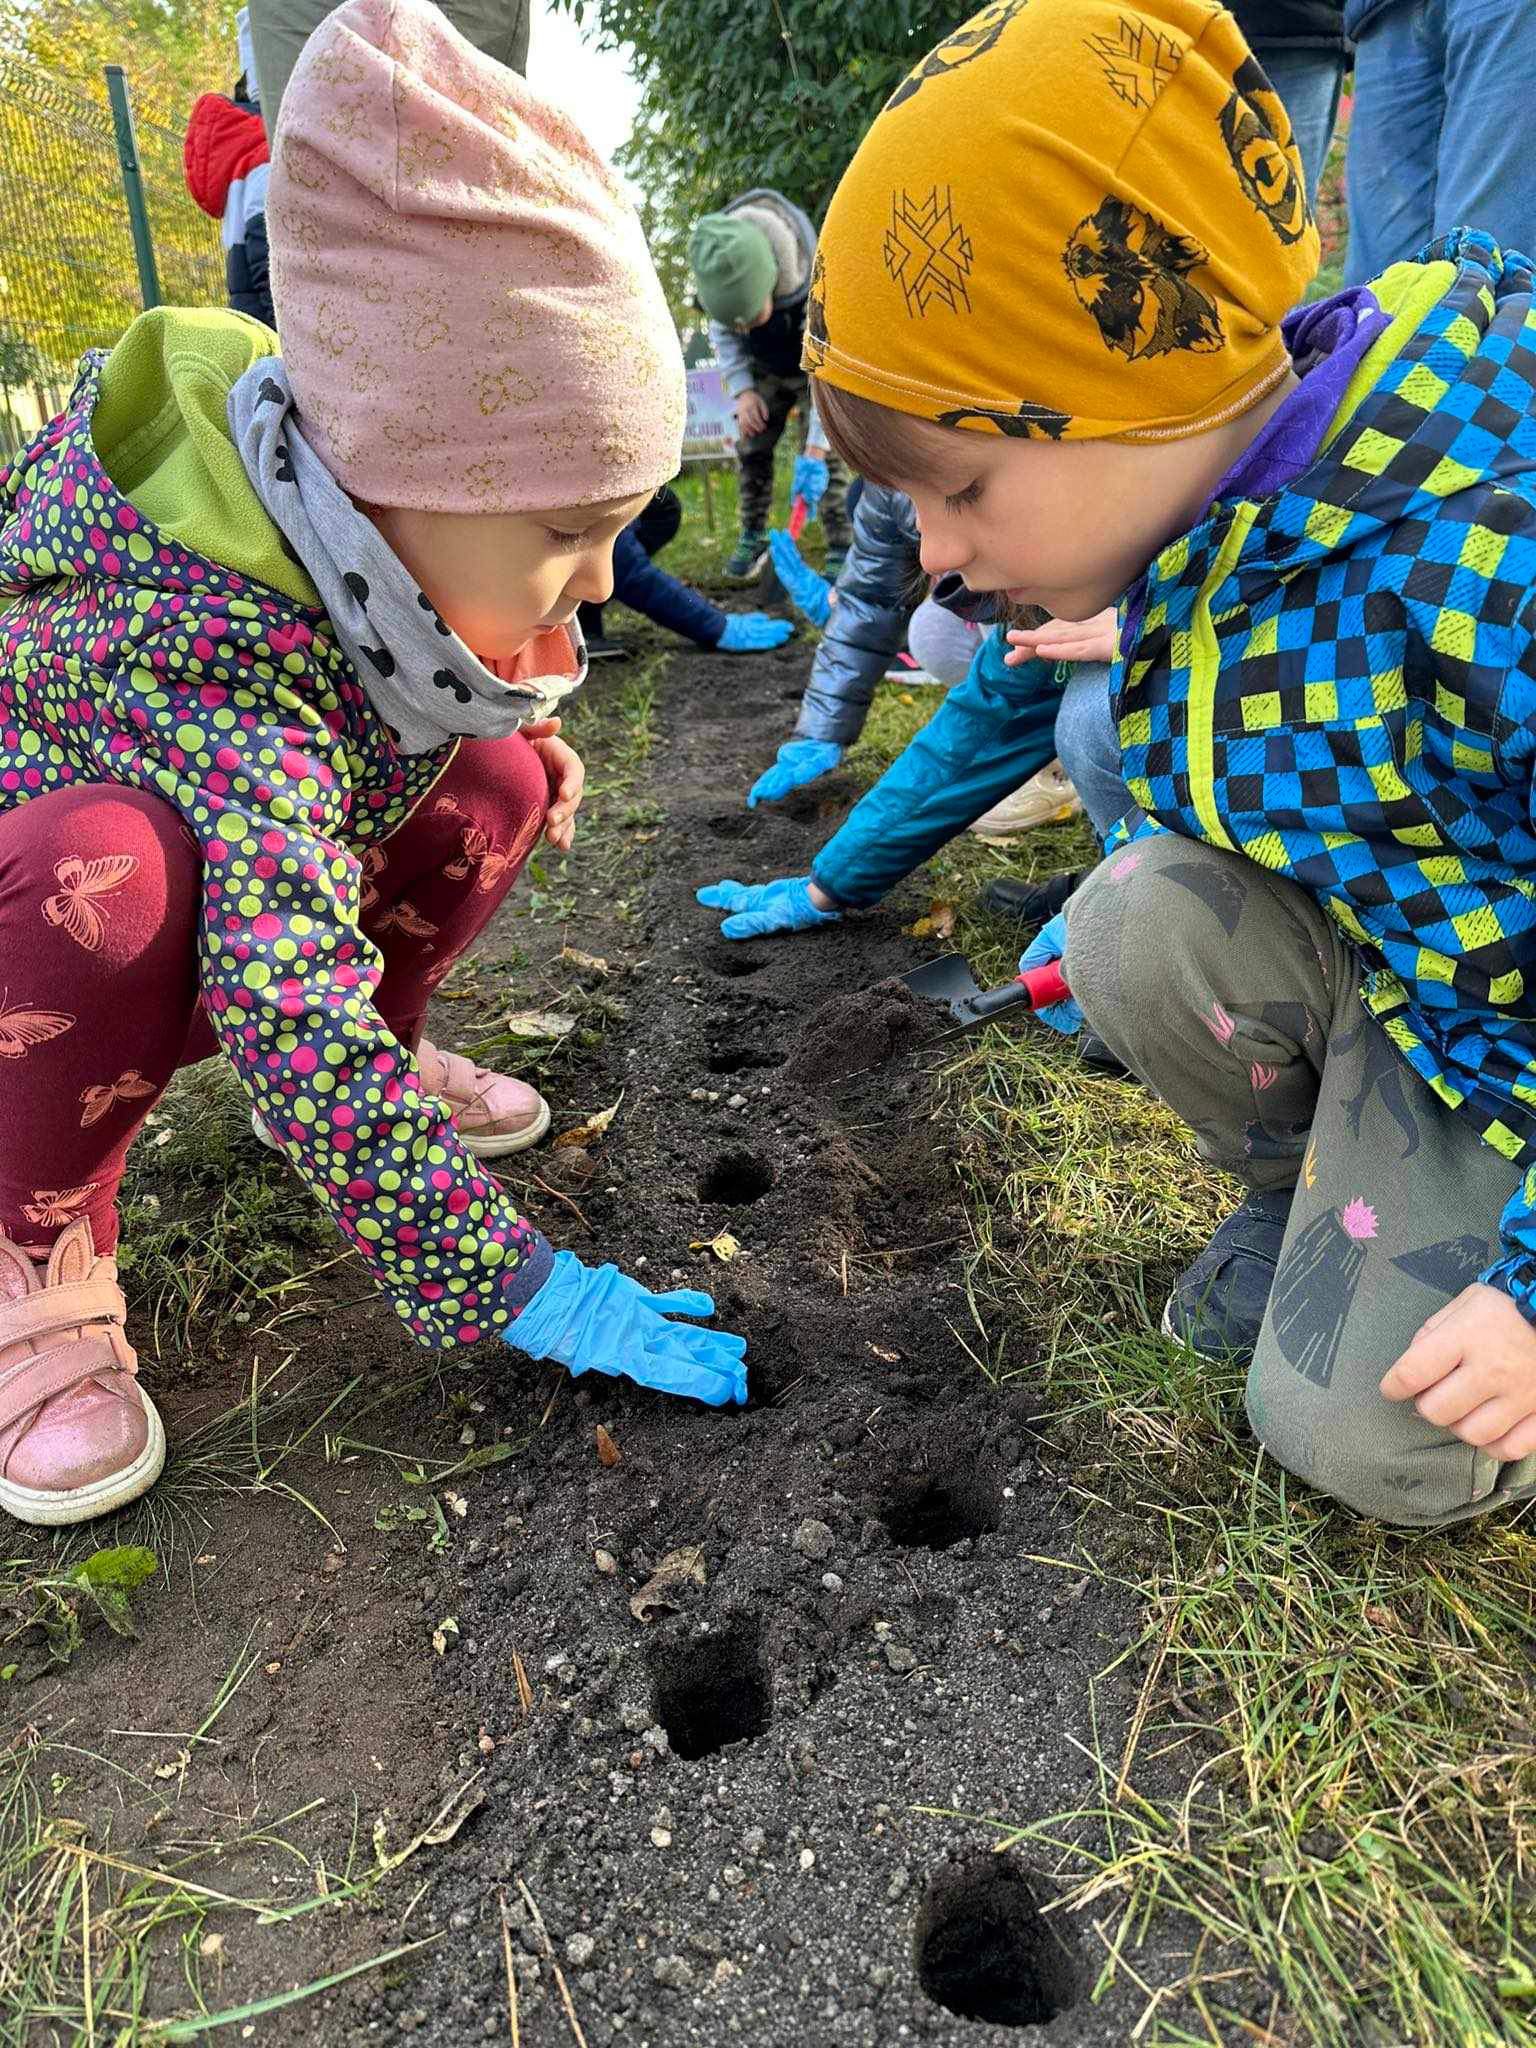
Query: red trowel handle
[(799, 513), (1046, 985), (1036, 989)]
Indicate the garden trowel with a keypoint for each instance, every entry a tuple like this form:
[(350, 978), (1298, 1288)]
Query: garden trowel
[(950, 984)]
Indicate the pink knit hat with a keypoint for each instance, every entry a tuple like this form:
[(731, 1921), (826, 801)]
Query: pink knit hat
[(468, 312)]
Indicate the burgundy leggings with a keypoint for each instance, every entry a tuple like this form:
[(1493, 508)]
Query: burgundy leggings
[(99, 1000)]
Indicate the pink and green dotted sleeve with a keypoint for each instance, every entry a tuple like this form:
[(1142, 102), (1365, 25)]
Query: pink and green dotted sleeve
[(263, 773)]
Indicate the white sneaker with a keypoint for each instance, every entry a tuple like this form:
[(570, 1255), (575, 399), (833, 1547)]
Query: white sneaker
[(1046, 799)]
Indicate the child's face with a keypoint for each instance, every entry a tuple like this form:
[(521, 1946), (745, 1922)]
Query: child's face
[(501, 578), (1065, 525)]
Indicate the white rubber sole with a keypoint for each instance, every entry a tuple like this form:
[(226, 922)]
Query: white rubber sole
[(82, 1503), (482, 1148)]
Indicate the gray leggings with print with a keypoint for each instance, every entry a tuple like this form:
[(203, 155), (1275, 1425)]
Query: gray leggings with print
[(1235, 997)]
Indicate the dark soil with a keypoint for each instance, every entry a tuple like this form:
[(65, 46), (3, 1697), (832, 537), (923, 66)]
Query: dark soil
[(744, 1819), (849, 1035)]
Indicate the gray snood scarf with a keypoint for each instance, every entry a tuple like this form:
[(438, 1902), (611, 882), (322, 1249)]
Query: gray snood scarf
[(425, 684)]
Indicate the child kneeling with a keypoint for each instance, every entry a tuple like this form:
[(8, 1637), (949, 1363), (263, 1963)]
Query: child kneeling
[(1051, 306)]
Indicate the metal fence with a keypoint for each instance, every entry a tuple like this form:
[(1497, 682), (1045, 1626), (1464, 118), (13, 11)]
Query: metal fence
[(68, 276)]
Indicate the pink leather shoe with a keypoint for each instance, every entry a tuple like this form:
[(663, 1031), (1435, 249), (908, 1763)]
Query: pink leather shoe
[(493, 1113), (78, 1434)]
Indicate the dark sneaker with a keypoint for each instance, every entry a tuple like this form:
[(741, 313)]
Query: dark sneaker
[(601, 648), (1218, 1303), (747, 560), (1031, 903)]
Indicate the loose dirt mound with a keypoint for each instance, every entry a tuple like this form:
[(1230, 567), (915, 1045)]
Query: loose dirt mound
[(848, 1034)]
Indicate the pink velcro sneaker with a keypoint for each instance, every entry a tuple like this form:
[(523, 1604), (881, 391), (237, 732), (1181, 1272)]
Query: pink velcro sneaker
[(78, 1434), (494, 1114)]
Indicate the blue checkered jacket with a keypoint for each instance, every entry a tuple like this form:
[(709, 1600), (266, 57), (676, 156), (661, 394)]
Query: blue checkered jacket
[(1340, 682)]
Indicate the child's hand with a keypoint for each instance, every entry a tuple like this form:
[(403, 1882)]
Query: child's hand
[(1472, 1370), (751, 414), (1064, 640), (567, 778)]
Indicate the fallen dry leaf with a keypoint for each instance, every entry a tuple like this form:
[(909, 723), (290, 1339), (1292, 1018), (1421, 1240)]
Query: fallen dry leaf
[(455, 1503), (524, 1689), (880, 1351), (447, 1628), (725, 1247), (654, 1597), (174, 1770), (608, 1452), (938, 924), (211, 1945), (645, 838), (589, 963), (540, 1024), (593, 1128)]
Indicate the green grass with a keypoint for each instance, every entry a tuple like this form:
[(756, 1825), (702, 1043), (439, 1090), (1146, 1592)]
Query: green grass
[(1347, 1709)]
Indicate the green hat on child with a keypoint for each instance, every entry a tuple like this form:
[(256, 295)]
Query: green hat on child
[(734, 268)]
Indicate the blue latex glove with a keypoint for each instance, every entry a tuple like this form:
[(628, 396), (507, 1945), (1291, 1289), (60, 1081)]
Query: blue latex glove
[(763, 908), (808, 592), (752, 633), (1048, 944), (809, 482), (797, 763), (596, 1319)]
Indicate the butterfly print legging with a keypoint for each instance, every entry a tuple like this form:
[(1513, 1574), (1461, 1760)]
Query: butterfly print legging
[(100, 906)]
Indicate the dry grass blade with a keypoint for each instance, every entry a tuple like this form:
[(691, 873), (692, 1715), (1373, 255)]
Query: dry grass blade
[(549, 1951), (524, 1689), (513, 2023)]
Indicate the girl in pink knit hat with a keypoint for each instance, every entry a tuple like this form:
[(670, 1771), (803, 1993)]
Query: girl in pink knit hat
[(283, 628)]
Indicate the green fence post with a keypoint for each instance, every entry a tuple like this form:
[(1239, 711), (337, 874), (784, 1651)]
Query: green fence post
[(133, 184)]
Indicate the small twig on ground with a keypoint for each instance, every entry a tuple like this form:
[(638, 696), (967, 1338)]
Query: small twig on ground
[(845, 1276), (555, 1195), (524, 1689), (554, 1397), (549, 1951), (506, 1950)]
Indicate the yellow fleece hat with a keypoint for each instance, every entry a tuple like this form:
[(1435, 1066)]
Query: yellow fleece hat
[(1074, 219)]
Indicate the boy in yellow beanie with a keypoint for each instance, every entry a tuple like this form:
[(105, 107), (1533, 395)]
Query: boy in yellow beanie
[(1052, 305)]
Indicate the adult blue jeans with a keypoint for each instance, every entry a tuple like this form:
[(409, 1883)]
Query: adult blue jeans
[(1088, 746), (1308, 83), (1441, 136)]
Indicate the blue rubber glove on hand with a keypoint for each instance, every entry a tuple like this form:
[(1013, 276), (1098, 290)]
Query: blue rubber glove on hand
[(808, 592), (809, 482), (596, 1319), (1048, 944), (797, 763), (763, 908), (753, 633)]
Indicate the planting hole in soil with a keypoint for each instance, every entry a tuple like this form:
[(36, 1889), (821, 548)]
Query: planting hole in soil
[(732, 959), (740, 1059), (710, 1691), (931, 1509), (733, 825), (735, 1179), (984, 1950)]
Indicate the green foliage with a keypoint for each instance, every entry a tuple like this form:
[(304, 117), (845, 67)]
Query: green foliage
[(68, 280), (43, 1618), (736, 93)]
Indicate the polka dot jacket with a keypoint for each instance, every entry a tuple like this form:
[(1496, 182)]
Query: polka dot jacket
[(127, 657)]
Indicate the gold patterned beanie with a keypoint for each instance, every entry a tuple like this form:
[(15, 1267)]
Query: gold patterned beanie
[(468, 312), (1073, 219)]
